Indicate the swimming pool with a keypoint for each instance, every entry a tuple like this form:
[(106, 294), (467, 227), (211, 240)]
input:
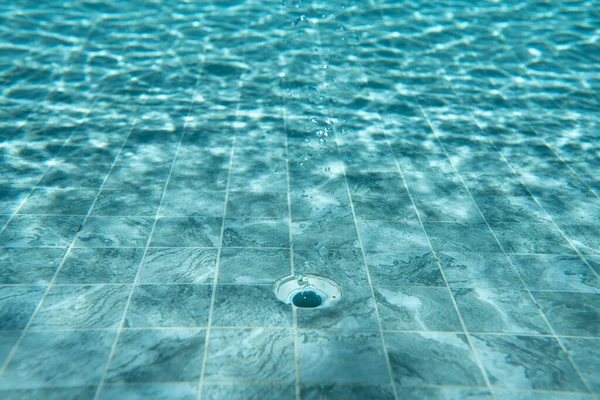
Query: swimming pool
[(165, 163)]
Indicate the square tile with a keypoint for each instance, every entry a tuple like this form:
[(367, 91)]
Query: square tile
[(157, 355), (366, 183), (355, 310), (478, 270), (40, 231), (585, 354), (404, 269), (82, 307), (192, 203), (187, 232), (550, 272), (526, 362), (250, 355), (178, 265), (257, 180), (17, 305), (194, 177), (115, 232), (571, 313), (24, 265), (432, 359), (531, 238), (446, 393), (499, 310), (63, 358), (324, 234), (341, 356), (461, 238), (511, 209), (585, 238), (416, 309), (140, 175), (255, 232), (59, 201), (317, 204), (175, 391), (239, 305), (71, 174), (250, 391), (169, 306), (7, 341), (100, 265), (11, 199), (450, 208), (127, 202), (253, 266), (347, 266), (348, 392), (257, 205), (394, 207), (393, 236)]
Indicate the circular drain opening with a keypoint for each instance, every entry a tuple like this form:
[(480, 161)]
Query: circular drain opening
[(307, 291)]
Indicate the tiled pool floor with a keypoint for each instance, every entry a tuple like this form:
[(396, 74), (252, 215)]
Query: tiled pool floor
[(163, 163)]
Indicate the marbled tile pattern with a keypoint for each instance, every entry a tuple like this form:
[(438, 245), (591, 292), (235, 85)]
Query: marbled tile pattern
[(163, 164)]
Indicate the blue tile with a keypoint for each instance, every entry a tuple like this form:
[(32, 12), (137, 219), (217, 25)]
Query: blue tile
[(11, 199), (351, 357), (585, 238), (539, 395), (317, 204), (187, 232), (8, 339), (404, 269), (40, 231), (419, 359), (198, 177), (257, 180), (178, 265), (526, 362), (192, 203), (139, 175), (461, 238), (258, 355), (355, 310), (449, 208), (69, 393), (347, 267), (394, 207), (59, 201), (157, 355), (478, 270), (324, 234), (100, 265), (367, 183), (126, 202), (29, 265), (446, 393), (499, 310), (585, 354), (253, 266), (73, 174), (257, 205), (64, 358), (167, 391), (511, 209), (416, 309), (169, 305), (82, 307), (17, 305), (393, 236), (550, 272), (348, 392), (571, 313), (256, 232), (237, 305), (531, 238), (115, 232), (248, 391)]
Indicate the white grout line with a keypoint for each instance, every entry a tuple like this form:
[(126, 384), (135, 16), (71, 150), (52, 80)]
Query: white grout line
[(240, 86), (356, 227)]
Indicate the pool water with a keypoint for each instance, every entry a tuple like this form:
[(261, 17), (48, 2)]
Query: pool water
[(164, 163)]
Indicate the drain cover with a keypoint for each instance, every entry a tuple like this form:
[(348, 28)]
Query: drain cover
[(307, 291)]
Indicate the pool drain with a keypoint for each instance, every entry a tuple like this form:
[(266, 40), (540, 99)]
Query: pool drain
[(307, 291)]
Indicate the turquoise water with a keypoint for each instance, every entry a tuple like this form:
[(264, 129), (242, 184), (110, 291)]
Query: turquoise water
[(164, 163)]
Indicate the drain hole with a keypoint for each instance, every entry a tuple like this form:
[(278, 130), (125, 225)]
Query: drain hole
[(307, 291), (307, 299)]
